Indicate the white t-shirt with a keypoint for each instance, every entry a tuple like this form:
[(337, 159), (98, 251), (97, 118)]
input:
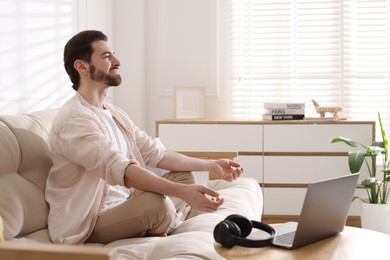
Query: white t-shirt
[(116, 194)]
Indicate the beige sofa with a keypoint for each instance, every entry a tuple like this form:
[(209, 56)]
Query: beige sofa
[(24, 165)]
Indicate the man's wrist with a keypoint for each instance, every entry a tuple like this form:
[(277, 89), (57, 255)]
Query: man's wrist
[(177, 190)]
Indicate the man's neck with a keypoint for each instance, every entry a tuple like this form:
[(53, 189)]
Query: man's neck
[(93, 95)]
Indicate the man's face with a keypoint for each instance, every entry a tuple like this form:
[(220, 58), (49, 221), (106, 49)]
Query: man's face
[(104, 65)]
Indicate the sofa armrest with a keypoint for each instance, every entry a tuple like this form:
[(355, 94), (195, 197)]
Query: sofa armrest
[(40, 251), (211, 155)]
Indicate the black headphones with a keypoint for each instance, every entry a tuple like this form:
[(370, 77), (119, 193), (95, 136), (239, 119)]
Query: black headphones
[(235, 228)]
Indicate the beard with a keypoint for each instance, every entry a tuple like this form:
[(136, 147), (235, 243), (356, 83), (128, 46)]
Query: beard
[(106, 78)]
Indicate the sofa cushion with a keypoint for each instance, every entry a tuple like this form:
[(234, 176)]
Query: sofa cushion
[(193, 239), (9, 163), (23, 171), (9, 152)]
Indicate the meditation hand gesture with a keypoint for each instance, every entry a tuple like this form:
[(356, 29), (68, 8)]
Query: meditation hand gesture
[(195, 196), (228, 170)]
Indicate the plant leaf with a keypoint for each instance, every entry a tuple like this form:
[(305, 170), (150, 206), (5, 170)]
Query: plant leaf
[(369, 182), (386, 173), (347, 141), (375, 150), (384, 137), (357, 198), (378, 143), (355, 161)]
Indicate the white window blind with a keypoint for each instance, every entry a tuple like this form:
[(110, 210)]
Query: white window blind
[(32, 38), (334, 51)]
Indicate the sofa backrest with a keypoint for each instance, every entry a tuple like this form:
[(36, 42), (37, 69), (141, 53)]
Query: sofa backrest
[(24, 165)]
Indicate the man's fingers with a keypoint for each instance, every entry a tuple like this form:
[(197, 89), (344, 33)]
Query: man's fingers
[(209, 191), (213, 205), (234, 164)]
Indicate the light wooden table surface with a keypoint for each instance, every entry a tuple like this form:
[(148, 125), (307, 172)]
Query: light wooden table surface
[(351, 244)]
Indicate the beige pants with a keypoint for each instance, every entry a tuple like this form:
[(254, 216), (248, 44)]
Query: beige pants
[(143, 213)]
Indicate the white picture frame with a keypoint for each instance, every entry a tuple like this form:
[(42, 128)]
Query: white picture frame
[(189, 102)]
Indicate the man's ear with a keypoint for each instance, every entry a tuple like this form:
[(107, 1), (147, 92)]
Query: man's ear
[(82, 67)]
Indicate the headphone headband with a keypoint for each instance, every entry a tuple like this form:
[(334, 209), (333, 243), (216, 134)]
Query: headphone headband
[(258, 243)]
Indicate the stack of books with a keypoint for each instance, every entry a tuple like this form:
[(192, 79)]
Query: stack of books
[(284, 111)]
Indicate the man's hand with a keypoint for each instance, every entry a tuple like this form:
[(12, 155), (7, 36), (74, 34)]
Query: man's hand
[(228, 170), (195, 196)]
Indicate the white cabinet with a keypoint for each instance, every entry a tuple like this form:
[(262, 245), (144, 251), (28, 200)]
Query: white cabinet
[(206, 137), (314, 137), (284, 156)]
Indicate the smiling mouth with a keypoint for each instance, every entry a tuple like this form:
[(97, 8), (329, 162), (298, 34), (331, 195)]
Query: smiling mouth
[(114, 70)]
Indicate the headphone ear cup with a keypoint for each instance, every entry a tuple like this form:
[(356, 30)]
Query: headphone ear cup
[(244, 224), (234, 229), (226, 233)]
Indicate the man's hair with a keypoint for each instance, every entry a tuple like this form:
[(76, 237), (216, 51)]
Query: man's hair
[(79, 47)]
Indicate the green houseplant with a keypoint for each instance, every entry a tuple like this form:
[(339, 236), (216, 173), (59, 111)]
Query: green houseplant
[(374, 210), (376, 184)]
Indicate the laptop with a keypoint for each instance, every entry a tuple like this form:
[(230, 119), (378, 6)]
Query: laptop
[(324, 213)]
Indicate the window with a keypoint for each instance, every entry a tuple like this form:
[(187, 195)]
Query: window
[(32, 37), (334, 51)]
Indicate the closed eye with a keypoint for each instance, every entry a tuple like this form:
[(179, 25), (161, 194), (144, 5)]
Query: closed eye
[(107, 55)]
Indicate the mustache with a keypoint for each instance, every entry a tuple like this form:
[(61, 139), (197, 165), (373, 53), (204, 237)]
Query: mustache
[(114, 68)]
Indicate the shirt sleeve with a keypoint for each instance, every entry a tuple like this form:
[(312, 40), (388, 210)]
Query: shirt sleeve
[(152, 150), (82, 141)]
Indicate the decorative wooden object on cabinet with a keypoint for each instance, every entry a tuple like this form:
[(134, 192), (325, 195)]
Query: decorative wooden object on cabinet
[(284, 156)]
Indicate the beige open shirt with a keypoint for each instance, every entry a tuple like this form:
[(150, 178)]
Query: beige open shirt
[(85, 160)]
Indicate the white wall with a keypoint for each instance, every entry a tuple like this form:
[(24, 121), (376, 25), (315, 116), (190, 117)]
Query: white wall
[(183, 49), (129, 45), (95, 15), (162, 44)]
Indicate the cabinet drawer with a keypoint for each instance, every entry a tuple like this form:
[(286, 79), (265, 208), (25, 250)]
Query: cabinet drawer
[(253, 167), (289, 201), (305, 169), (314, 137), (209, 137)]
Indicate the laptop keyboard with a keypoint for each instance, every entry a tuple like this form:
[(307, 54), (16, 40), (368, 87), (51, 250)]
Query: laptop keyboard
[(285, 239)]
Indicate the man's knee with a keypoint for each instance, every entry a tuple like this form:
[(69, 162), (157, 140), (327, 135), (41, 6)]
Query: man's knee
[(161, 213), (181, 177), (191, 178)]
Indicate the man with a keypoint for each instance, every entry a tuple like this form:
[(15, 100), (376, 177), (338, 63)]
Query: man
[(99, 189)]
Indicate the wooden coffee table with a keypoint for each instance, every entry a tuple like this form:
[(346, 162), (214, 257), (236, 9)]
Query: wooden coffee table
[(351, 244)]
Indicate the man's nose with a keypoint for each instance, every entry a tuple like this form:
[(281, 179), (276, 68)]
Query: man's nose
[(115, 61)]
